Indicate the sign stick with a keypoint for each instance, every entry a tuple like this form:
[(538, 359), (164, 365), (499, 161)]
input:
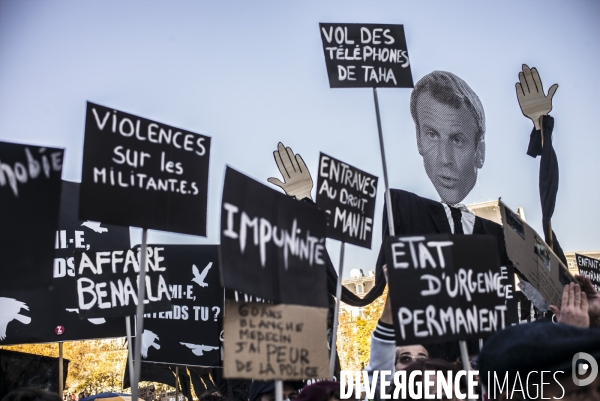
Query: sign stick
[(60, 369), (336, 313), (388, 198), (140, 318), (129, 351), (278, 390), (176, 383), (464, 355)]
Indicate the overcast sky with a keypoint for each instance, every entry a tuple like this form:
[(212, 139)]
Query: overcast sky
[(252, 73)]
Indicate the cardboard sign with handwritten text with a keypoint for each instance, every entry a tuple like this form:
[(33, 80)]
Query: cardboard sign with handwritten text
[(534, 258), (275, 342)]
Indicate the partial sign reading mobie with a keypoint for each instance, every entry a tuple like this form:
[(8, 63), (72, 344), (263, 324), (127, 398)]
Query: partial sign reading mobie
[(366, 56), (348, 195), (138, 172)]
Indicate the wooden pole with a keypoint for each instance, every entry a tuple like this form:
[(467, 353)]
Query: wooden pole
[(388, 198), (137, 365), (176, 383), (61, 373), (336, 312)]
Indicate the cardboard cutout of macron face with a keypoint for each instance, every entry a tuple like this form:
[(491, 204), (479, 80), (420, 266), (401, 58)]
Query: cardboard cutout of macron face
[(450, 124)]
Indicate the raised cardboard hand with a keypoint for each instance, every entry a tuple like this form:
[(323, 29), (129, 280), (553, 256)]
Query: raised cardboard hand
[(297, 179), (534, 103)]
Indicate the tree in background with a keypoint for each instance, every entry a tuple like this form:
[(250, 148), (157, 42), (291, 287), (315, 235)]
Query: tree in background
[(354, 334), (96, 365)]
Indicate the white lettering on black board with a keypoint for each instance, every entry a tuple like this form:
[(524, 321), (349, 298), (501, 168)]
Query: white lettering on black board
[(347, 195), (451, 287), (108, 282), (139, 172), (366, 55), (589, 267), (272, 246)]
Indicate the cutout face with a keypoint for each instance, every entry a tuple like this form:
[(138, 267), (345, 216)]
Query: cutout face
[(447, 140)]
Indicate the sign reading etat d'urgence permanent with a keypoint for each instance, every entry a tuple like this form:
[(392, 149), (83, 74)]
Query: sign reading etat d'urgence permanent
[(142, 173)]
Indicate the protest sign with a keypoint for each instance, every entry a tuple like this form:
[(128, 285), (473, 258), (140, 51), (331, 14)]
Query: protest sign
[(445, 287), (281, 342), (190, 333), (272, 246), (347, 195), (108, 282), (589, 267), (507, 287), (57, 305), (147, 393), (366, 56), (534, 258), (138, 172), (30, 197)]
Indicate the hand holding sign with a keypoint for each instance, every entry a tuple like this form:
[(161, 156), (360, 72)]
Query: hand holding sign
[(575, 307), (530, 92), (593, 298), (298, 181)]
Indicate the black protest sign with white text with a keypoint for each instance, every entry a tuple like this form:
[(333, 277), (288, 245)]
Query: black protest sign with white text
[(108, 282), (54, 313), (366, 56), (190, 333), (29, 202), (589, 267), (138, 172), (272, 246), (445, 287), (348, 195)]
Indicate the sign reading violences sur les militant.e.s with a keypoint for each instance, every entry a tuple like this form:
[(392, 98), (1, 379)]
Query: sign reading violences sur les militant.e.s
[(139, 172)]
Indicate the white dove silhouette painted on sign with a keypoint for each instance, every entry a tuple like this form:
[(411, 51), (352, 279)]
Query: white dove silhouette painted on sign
[(199, 277), (97, 320), (148, 338), (199, 349), (9, 311), (95, 226)]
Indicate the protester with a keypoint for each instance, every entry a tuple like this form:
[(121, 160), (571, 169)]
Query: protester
[(31, 394), (265, 390), (580, 304), (521, 353), (441, 367), (407, 354), (325, 390)]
